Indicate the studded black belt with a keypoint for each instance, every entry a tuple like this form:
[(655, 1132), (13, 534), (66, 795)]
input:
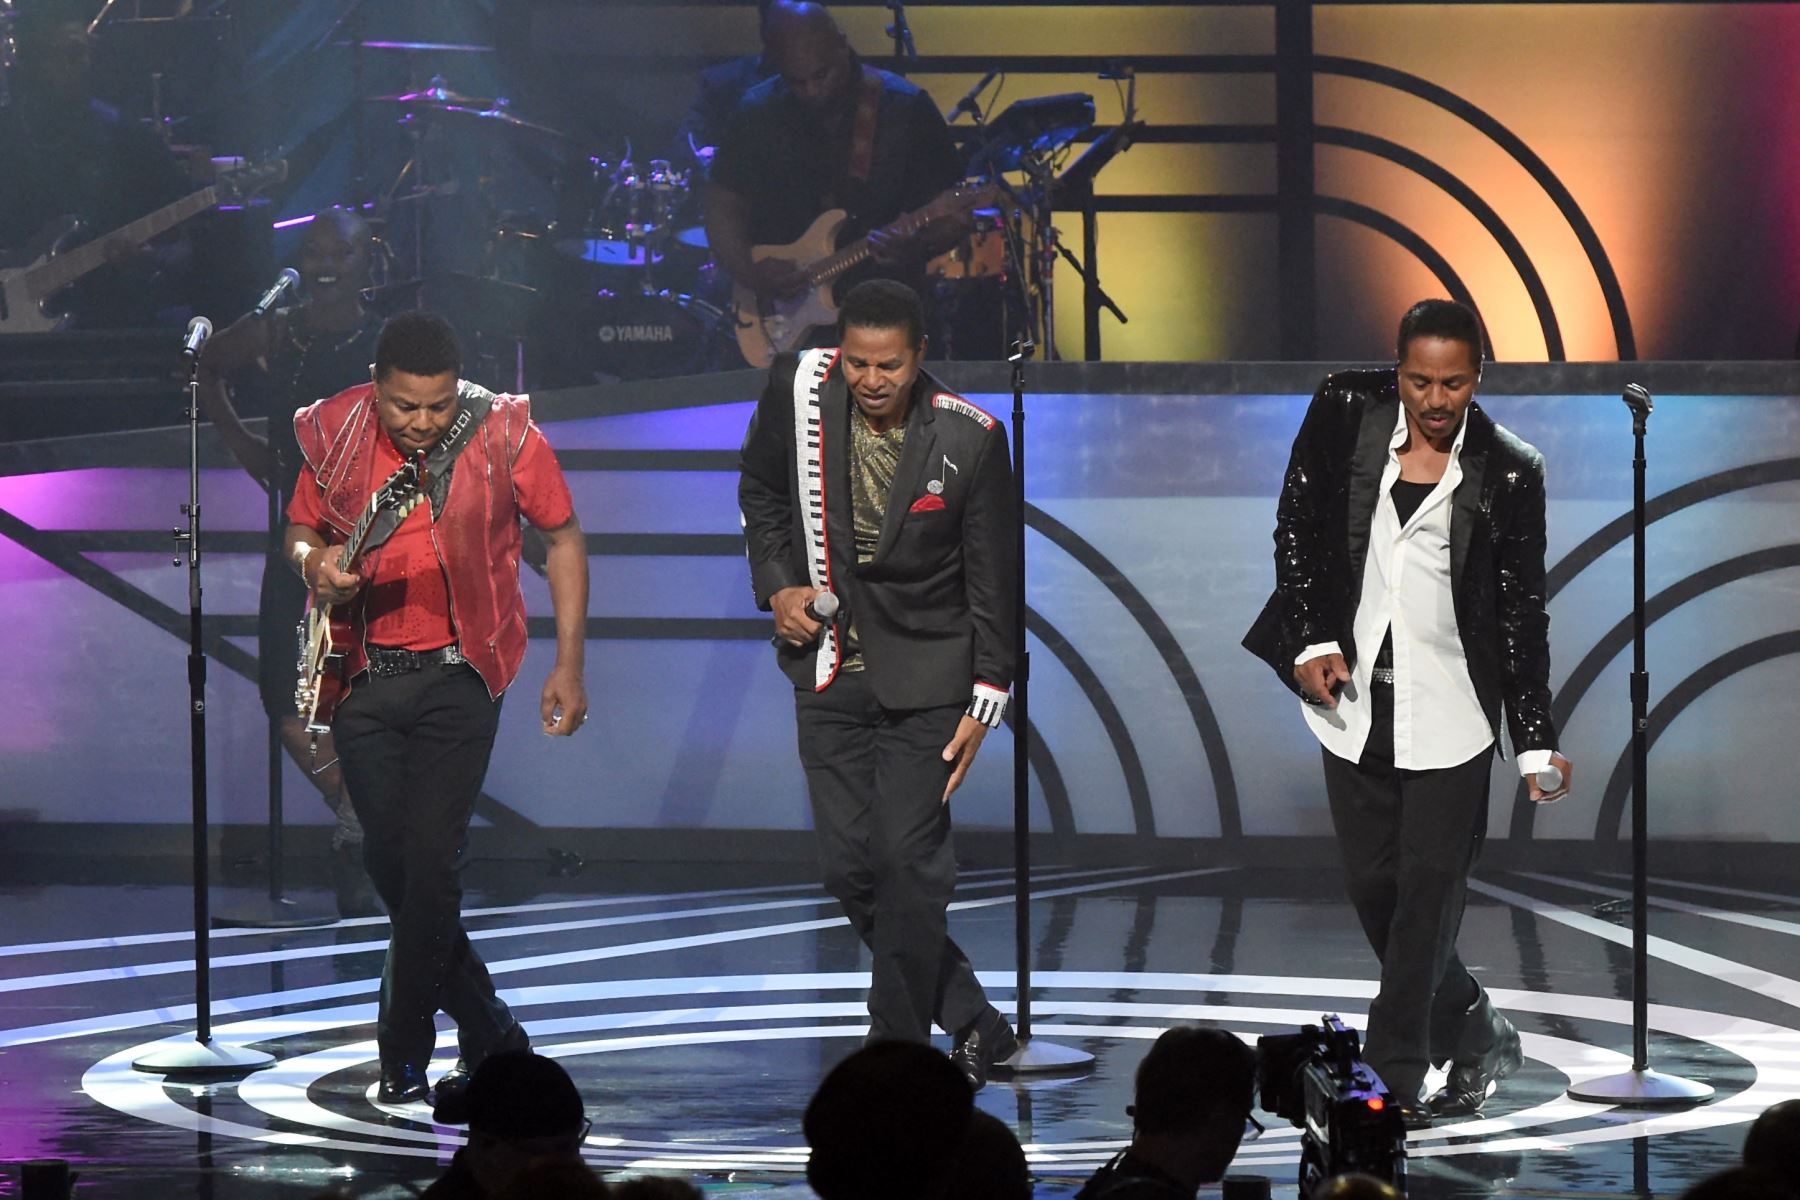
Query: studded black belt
[(391, 660)]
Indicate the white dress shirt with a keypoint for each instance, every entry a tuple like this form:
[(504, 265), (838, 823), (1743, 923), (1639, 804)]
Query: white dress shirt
[(1407, 591)]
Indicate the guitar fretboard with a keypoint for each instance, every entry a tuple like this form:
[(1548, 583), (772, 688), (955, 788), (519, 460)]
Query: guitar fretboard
[(353, 546), (829, 268), (64, 269), (383, 498)]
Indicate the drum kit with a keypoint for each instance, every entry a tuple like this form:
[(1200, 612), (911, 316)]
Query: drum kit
[(617, 284)]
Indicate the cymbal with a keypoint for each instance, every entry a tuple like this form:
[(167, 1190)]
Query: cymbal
[(422, 47), (502, 290), (694, 238), (492, 118), (433, 97)]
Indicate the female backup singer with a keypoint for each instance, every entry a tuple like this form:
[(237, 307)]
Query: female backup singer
[(277, 363)]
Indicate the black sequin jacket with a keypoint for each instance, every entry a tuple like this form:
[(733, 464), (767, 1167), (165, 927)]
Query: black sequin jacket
[(1322, 523)]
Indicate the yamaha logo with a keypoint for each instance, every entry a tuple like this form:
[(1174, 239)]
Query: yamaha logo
[(637, 333)]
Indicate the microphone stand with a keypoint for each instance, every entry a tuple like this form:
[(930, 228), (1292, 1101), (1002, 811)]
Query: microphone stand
[(1034, 1056), (204, 1056), (275, 911), (902, 35), (1639, 1087)]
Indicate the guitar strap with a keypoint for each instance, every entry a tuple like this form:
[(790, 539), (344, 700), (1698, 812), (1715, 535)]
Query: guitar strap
[(473, 403), (862, 133)]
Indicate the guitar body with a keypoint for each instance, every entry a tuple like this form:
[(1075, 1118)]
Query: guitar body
[(766, 328), (322, 686), (326, 634), (771, 327), (20, 310), (24, 289)]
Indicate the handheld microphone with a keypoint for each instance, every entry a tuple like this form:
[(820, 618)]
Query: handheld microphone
[(969, 103), (1550, 779), (288, 278), (820, 608), (198, 330)]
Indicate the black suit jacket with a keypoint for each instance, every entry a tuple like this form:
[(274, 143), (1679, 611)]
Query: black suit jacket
[(934, 609), (1327, 506)]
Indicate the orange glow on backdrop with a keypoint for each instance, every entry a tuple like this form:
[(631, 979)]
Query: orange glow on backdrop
[(1645, 111)]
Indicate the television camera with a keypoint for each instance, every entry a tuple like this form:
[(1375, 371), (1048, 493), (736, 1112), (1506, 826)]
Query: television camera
[(1317, 1080)]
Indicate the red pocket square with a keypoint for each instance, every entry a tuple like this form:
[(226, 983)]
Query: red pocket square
[(928, 504)]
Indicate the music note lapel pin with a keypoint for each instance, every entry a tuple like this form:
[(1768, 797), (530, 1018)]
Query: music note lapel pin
[(936, 486)]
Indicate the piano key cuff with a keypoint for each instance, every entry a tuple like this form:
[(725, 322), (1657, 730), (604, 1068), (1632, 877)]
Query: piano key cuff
[(988, 706)]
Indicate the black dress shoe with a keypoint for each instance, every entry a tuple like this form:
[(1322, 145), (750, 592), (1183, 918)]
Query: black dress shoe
[(987, 1041), (452, 1096), (403, 1085), (1466, 1090)]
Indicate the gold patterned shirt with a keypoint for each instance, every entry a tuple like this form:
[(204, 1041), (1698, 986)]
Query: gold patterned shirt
[(874, 461)]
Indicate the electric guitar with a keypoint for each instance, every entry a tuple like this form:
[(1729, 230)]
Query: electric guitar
[(324, 633), (766, 327), (24, 290)]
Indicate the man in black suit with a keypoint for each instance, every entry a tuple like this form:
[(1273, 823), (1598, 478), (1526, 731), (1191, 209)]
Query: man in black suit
[(896, 498), (1408, 613)]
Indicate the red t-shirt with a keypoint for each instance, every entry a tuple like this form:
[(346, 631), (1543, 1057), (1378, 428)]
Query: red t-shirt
[(406, 598)]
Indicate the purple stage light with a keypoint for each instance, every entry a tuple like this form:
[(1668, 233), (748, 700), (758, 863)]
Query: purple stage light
[(293, 221)]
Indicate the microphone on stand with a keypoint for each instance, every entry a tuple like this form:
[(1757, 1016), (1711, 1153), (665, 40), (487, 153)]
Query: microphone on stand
[(198, 330), (289, 278), (969, 103)]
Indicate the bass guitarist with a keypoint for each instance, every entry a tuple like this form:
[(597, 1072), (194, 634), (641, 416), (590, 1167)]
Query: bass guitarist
[(437, 634), (66, 153), (827, 132)]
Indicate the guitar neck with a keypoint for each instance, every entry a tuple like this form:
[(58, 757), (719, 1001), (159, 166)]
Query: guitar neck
[(354, 544), (829, 268), (64, 269)]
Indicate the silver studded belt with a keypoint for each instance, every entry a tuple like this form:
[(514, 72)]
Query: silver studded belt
[(390, 660)]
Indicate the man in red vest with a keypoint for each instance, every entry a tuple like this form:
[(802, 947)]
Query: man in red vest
[(439, 633)]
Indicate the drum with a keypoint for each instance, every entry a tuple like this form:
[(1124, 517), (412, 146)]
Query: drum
[(636, 337), (623, 217), (981, 254)]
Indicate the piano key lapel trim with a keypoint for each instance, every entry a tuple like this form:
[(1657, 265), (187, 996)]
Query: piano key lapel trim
[(809, 457)]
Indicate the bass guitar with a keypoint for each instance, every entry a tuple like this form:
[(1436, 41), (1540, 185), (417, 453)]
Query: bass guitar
[(325, 632), (25, 290), (767, 327)]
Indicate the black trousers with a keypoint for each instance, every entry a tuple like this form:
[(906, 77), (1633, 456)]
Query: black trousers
[(877, 782), (1409, 839), (414, 750)]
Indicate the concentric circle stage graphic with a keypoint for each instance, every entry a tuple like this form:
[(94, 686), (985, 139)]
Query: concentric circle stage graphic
[(705, 1069)]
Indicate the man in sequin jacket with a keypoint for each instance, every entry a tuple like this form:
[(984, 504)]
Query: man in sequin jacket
[(1408, 614)]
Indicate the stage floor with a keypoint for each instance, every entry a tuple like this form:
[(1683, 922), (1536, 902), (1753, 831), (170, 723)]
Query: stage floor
[(697, 1020)]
